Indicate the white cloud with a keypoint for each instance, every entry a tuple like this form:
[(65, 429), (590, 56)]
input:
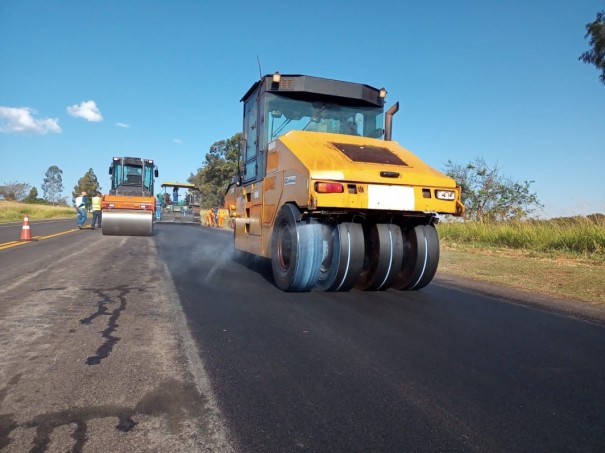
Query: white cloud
[(124, 125), (21, 120), (87, 110), (177, 140)]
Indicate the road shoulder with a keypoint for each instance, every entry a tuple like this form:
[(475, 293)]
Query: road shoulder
[(574, 308)]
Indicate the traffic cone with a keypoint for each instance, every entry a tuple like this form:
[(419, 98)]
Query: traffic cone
[(26, 232)]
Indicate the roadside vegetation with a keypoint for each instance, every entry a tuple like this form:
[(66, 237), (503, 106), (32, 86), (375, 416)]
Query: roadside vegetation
[(563, 257), (573, 237), (14, 211)]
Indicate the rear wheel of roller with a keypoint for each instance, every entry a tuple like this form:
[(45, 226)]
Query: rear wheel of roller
[(420, 258), (383, 256), (343, 254)]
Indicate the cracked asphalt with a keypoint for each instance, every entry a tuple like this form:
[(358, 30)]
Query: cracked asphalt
[(95, 352)]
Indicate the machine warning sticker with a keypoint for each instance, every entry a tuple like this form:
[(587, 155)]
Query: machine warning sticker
[(289, 180)]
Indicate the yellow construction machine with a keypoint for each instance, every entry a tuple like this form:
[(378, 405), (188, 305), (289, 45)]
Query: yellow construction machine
[(184, 209), (129, 207), (324, 193)]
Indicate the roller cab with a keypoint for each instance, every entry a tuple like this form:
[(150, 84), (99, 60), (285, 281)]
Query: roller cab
[(327, 196), (128, 209)]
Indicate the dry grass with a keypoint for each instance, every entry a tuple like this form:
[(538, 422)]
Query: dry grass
[(562, 257), (578, 237), (12, 211), (563, 276)]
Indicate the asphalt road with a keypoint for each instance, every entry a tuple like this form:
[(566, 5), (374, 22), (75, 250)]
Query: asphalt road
[(95, 355), (211, 356)]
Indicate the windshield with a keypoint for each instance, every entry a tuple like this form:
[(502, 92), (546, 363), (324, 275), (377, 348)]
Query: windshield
[(133, 175), (285, 114)]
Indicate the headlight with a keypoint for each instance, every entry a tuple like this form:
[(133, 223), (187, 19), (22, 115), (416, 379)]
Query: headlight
[(445, 194)]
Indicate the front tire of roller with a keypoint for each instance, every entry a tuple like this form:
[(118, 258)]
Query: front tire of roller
[(296, 251)]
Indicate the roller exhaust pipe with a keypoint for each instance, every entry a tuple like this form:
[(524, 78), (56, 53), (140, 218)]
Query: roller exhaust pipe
[(388, 121)]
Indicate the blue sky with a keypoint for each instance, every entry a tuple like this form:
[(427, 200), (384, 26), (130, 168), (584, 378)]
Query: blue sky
[(82, 82)]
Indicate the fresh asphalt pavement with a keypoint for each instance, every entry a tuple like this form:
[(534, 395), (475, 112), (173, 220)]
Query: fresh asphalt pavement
[(441, 369)]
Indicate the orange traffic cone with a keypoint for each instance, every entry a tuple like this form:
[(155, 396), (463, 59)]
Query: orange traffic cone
[(26, 232)]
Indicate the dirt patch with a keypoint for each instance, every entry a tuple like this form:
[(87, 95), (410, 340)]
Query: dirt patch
[(573, 282)]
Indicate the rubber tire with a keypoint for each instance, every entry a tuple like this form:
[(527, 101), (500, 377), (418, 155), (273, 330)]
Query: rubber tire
[(421, 258), (383, 256), (296, 251), (343, 255)]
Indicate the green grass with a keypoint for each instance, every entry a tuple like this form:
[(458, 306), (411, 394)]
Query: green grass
[(581, 237), (12, 211)]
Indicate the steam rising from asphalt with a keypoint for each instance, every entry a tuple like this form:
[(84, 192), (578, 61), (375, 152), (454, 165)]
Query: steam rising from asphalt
[(220, 255), (200, 256)]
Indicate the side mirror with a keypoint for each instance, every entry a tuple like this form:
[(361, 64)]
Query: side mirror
[(156, 173), (111, 170)]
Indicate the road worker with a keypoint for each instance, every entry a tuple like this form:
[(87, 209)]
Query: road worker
[(158, 207), (221, 217), (80, 206), (210, 218), (96, 210)]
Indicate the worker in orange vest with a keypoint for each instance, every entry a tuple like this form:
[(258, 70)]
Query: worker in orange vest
[(209, 218), (221, 217)]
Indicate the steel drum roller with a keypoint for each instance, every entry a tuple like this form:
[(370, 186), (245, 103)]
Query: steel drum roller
[(127, 223)]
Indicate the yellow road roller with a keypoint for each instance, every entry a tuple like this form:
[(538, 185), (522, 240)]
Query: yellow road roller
[(325, 194)]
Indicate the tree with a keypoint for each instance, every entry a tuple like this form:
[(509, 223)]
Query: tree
[(221, 165), (89, 184), (14, 191), (596, 55), (53, 184), (32, 197), (488, 196)]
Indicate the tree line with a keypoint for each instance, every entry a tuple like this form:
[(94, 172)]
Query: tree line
[(52, 188)]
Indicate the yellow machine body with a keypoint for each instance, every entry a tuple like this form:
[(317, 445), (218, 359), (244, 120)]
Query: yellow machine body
[(299, 159)]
